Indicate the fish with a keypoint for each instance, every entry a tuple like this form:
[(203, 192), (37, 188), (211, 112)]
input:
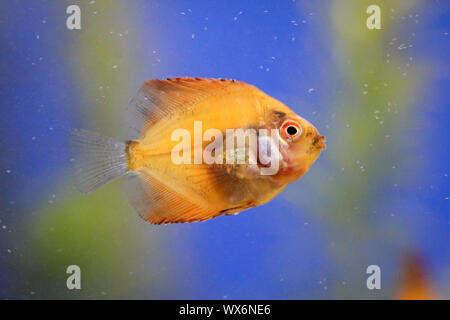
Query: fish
[(205, 148)]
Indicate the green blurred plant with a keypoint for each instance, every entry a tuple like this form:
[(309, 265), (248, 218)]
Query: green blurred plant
[(375, 89)]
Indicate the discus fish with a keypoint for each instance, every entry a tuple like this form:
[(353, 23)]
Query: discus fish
[(182, 124)]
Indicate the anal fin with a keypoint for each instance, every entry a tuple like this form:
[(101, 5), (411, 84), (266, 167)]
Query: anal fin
[(158, 204)]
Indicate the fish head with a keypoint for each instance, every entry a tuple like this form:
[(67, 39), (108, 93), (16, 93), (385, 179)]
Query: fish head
[(299, 144)]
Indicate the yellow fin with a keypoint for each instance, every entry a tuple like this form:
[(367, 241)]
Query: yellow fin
[(158, 204), (159, 99)]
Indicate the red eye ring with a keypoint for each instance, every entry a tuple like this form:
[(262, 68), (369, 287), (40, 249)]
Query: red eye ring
[(291, 130)]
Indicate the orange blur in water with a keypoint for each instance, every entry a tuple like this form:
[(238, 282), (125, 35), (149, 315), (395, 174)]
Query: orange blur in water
[(415, 281)]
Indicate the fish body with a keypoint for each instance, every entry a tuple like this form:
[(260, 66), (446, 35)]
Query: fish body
[(200, 121)]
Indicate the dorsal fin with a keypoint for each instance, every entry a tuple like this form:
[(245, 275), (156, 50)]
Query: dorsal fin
[(158, 99)]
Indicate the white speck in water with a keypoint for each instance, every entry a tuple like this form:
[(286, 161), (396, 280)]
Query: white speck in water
[(114, 66), (8, 171), (193, 36), (310, 90)]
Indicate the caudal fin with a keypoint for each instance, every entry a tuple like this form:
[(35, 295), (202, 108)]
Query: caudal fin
[(98, 159)]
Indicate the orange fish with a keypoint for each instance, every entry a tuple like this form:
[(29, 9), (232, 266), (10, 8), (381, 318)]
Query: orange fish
[(207, 147)]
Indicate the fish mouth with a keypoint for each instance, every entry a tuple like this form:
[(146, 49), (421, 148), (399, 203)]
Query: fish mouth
[(319, 142)]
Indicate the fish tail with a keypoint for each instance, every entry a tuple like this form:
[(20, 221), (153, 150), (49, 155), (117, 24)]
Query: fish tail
[(98, 159)]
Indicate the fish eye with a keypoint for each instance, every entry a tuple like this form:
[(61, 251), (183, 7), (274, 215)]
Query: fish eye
[(291, 130)]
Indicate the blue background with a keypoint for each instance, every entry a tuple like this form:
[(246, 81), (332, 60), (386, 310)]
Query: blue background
[(303, 244)]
